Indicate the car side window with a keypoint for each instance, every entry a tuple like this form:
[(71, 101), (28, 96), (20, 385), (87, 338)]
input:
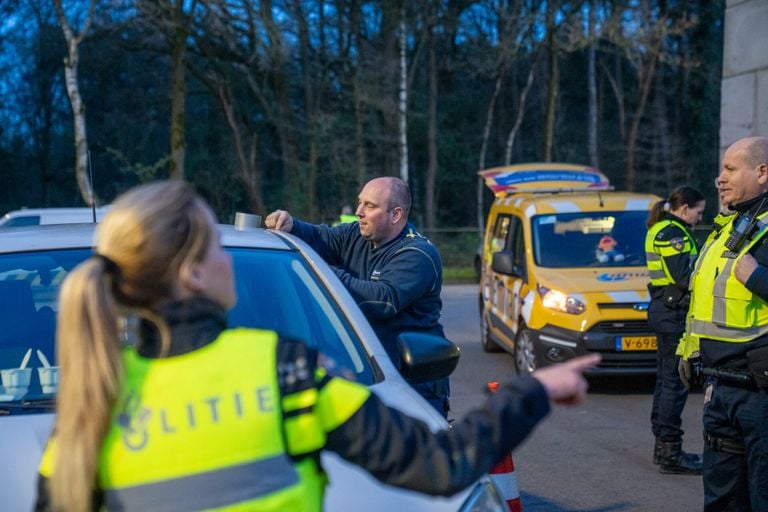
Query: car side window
[(500, 232), (25, 220), (516, 243)]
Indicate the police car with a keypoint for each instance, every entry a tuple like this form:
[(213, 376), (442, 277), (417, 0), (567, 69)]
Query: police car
[(563, 269), (282, 284), (37, 216)]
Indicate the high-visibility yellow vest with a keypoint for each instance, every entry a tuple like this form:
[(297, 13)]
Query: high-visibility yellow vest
[(721, 307), (210, 429), (657, 250), (689, 343)]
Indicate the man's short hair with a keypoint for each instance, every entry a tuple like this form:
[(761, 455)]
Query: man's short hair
[(756, 151), (400, 196)]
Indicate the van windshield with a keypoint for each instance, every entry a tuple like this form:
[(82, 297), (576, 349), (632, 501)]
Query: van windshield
[(589, 239)]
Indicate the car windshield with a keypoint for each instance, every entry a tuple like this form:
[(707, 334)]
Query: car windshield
[(276, 290), (589, 239)]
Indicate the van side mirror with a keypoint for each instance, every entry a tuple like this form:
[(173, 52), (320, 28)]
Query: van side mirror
[(425, 357), (503, 262)]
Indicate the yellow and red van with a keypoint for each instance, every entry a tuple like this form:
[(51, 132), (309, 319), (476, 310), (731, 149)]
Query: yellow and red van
[(563, 269)]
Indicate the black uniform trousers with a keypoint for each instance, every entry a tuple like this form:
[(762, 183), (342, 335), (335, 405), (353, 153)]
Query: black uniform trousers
[(669, 395), (734, 482)]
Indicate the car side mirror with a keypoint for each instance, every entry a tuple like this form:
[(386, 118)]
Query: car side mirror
[(425, 357), (503, 262)]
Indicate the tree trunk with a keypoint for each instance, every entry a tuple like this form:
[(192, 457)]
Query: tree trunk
[(357, 98), (521, 108), (78, 106), (402, 103), (178, 43), (310, 107), (634, 127), (284, 123), (553, 86), (431, 133), (247, 172), (594, 159), (663, 135)]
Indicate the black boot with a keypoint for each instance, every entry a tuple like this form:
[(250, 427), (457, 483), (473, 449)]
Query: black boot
[(657, 452), (674, 461)]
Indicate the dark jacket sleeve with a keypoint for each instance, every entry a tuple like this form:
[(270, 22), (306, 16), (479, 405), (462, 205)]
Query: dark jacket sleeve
[(758, 281), (43, 502), (406, 277), (402, 451), (326, 240)]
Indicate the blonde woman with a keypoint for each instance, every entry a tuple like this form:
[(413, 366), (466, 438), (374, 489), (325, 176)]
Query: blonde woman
[(158, 255)]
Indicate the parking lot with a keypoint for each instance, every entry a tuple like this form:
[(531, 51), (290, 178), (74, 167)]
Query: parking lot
[(596, 457)]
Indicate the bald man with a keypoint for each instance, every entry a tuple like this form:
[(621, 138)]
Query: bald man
[(729, 316), (393, 272)]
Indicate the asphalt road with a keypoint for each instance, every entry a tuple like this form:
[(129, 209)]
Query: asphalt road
[(591, 458)]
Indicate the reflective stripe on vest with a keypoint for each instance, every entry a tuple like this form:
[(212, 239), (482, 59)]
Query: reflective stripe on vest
[(722, 308), (657, 250), (214, 489), (204, 429)]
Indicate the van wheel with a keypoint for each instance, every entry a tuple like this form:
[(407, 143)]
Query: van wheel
[(525, 356), (485, 336)]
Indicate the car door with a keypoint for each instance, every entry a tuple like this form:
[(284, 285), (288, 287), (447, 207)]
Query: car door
[(504, 292)]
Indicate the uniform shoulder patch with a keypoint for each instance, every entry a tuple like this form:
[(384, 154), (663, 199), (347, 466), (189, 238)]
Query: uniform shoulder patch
[(677, 243)]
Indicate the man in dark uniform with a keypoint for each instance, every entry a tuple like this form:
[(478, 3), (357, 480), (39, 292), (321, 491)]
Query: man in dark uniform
[(729, 317), (394, 273)]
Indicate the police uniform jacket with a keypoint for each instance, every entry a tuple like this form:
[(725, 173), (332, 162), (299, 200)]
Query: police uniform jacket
[(397, 285), (675, 247), (394, 448), (719, 353)]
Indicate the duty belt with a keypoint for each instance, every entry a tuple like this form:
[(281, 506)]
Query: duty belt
[(719, 444), (740, 377)]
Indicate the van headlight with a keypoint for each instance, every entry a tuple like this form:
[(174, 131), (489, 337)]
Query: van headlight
[(559, 301), (484, 498)]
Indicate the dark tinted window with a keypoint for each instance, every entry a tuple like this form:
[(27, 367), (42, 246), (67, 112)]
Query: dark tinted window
[(26, 220)]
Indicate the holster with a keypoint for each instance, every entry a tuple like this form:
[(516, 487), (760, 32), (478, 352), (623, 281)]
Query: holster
[(757, 362), (675, 298)]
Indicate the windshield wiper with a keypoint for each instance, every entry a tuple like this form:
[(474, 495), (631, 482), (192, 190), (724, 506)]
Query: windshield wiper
[(34, 404)]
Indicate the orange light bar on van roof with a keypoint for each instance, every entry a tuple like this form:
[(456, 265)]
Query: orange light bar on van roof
[(543, 177)]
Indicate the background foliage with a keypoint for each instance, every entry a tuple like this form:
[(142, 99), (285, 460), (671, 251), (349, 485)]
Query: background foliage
[(294, 103)]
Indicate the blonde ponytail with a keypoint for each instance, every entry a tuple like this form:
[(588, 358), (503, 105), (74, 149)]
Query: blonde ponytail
[(89, 358)]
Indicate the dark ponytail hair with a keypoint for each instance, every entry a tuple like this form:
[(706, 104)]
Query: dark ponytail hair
[(684, 195)]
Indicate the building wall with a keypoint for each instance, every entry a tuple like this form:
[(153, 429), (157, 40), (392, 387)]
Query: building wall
[(744, 94)]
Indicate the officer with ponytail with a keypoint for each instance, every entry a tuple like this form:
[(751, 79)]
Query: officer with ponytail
[(670, 251)]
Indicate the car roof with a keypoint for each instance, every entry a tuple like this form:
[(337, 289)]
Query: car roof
[(566, 202), (71, 236)]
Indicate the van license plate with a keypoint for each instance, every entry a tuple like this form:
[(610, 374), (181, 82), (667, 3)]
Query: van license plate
[(624, 343)]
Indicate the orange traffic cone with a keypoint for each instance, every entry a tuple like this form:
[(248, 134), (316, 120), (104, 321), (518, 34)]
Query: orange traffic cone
[(503, 474)]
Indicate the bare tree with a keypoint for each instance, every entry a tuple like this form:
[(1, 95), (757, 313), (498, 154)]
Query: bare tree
[(402, 103), (180, 28), (641, 44), (73, 40), (515, 30), (553, 83), (594, 159)]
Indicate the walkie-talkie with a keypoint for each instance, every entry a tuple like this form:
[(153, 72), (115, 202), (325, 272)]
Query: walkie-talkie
[(742, 232)]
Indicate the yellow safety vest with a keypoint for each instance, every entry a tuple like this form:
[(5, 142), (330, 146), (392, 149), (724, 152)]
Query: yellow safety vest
[(689, 344), (721, 307), (657, 250), (209, 429)]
